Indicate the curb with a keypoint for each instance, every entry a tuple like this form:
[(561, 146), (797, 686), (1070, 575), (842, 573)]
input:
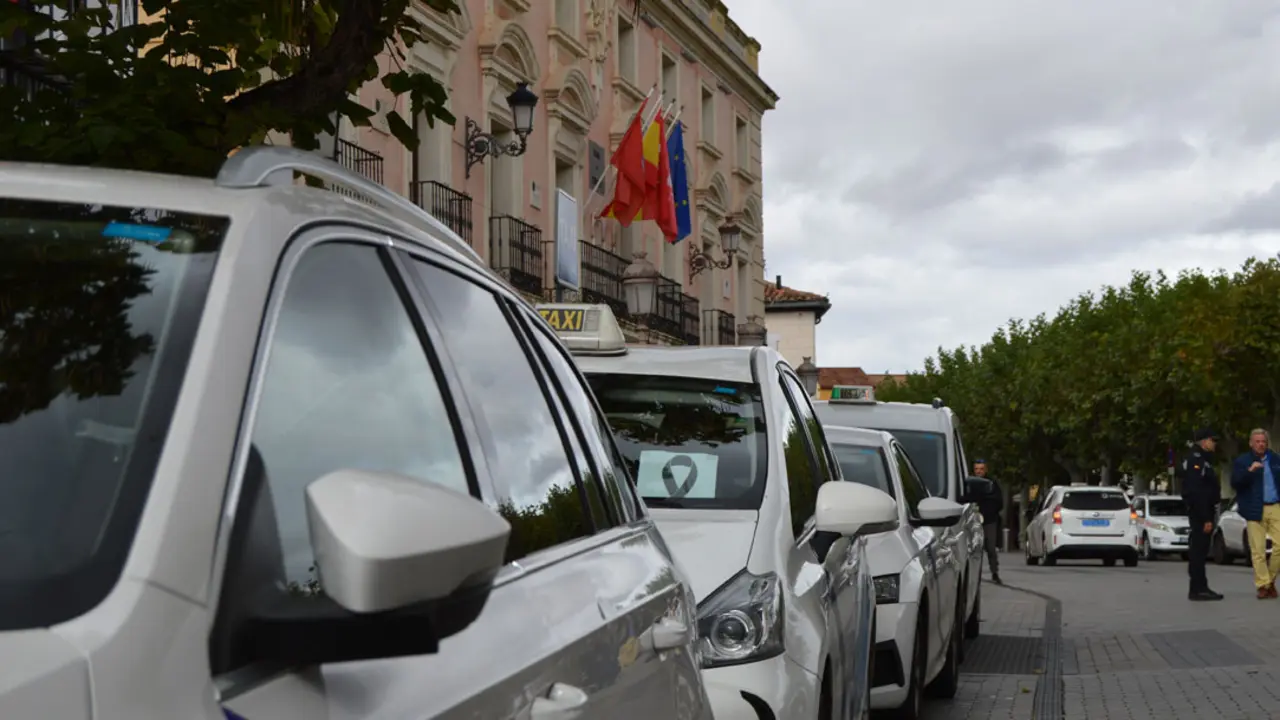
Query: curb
[(1048, 703)]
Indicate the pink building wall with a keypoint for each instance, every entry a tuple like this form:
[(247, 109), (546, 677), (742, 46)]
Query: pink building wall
[(477, 52)]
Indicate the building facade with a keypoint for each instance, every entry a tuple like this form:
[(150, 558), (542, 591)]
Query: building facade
[(791, 319), (591, 62)]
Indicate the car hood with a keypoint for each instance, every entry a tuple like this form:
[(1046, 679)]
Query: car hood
[(1172, 520), (52, 679), (710, 545)]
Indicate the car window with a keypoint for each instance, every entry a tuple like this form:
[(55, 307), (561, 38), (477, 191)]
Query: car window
[(612, 477), (689, 442), (913, 490), (962, 463), (800, 399), (802, 469), (1167, 507), (348, 384), (99, 307), (524, 441), (1096, 500), (928, 453), (864, 464)]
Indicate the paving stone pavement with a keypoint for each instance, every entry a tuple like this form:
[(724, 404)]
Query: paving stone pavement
[(1132, 646)]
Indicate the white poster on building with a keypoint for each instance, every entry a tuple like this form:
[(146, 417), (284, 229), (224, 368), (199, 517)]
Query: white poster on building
[(566, 240)]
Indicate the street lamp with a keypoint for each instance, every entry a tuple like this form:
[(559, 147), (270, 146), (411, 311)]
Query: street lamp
[(482, 144), (730, 236), (640, 286), (808, 373), (752, 333)]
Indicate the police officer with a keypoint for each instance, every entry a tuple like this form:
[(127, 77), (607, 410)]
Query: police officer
[(1202, 494)]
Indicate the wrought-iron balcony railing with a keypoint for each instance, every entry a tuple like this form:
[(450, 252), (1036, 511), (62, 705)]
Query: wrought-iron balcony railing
[(719, 328), (515, 252), (690, 321), (602, 277), (353, 157), (449, 206)]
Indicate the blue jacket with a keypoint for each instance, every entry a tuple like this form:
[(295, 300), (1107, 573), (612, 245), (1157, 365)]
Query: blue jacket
[(1248, 485)]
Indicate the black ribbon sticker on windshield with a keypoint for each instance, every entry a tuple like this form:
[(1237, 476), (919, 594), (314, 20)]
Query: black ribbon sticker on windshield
[(669, 478)]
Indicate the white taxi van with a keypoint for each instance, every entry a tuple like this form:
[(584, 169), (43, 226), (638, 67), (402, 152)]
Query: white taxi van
[(272, 453), (727, 453)]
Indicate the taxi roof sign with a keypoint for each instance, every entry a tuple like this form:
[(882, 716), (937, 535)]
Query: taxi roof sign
[(853, 394), (584, 328)]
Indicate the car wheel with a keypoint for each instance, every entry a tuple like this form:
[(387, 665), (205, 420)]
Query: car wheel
[(1217, 549), (972, 624), (1131, 561), (1026, 552), (1049, 559), (948, 681), (1186, 556), (1108, 562), (1148, 553), (912, 705)]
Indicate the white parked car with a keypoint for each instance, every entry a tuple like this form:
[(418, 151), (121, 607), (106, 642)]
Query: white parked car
[(931, 436), (270, 452), (1230, 539), (1081, 522), (734, 466), (919, 621), (1163, 522)]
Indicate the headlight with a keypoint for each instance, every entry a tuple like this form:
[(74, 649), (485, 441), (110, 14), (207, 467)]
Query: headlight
[(742, 621), (1161, 527), (886, 589)]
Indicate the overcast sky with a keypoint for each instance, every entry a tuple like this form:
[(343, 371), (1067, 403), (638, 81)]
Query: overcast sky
[(938, 168)]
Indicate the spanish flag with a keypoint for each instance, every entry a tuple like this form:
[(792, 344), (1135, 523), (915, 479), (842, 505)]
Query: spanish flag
[(657, 202)]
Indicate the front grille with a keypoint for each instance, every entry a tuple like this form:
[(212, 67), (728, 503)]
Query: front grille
[(1182, 531)]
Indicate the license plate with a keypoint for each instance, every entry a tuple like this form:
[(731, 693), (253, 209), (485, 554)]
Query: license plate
[(1179, 541), (1097, 522)]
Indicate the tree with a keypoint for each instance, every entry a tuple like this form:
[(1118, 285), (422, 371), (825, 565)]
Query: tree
[(204, 78)]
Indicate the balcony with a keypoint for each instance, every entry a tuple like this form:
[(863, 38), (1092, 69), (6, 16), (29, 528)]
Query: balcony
[(690, 322), (602, 277), (449, 206), (719, 328), (353, 157), (668, 308), (515, 252)]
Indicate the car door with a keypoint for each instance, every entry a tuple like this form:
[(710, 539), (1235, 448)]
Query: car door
[(1233, 528), (353, 372), (821, 568), (938, 570), (663, 606)]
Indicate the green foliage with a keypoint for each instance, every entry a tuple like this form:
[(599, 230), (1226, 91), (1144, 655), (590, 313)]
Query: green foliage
[(205, 77), (1117, 377)]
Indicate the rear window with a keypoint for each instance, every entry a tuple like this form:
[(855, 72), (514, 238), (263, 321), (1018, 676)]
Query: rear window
[(1171, 507), (1095, 501), (865, 465), (98, 311), (690, 443)]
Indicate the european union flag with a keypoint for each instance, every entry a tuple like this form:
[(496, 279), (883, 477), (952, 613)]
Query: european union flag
[(680, 182)]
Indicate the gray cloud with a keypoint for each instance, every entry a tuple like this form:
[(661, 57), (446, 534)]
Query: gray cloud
[(939, 171)]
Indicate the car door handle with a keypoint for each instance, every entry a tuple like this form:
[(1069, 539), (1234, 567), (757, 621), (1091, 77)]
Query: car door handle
[(560, 703), (665, 634)]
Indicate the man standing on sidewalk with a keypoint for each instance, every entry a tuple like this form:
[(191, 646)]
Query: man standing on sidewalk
[(990, 505), (1202, 494), (1254, 475)]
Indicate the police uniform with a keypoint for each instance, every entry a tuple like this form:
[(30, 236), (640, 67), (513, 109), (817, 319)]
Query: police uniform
[(1202, 493)]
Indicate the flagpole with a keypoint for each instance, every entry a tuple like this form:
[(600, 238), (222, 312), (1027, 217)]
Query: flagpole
[(671, 124)]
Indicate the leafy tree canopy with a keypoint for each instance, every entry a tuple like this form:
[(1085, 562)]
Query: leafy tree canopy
[(1118, 377), (204, 77)]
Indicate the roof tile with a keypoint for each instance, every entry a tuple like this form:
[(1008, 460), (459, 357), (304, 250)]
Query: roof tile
[(774, 293)]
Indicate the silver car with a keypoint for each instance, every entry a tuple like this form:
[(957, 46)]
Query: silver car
[(271, 452)]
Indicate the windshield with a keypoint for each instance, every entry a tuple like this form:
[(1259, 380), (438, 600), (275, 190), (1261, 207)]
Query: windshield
[(864, 464), (98, 309), (928, 452), (690, 443), (1171, 507), (1095, 501)]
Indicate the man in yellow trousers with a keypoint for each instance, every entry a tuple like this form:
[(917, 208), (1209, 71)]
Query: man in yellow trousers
[(1255, 475)]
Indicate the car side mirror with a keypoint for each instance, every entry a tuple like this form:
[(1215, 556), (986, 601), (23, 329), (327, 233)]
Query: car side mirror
[(937, 512), (851, 509), (976, 487), (1141, 513), (402, 564)]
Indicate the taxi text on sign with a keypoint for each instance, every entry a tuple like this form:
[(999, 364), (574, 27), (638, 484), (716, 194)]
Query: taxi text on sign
[(563, 319)]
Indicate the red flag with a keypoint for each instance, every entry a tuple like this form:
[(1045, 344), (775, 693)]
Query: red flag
[(660, 202), (629, 191)]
